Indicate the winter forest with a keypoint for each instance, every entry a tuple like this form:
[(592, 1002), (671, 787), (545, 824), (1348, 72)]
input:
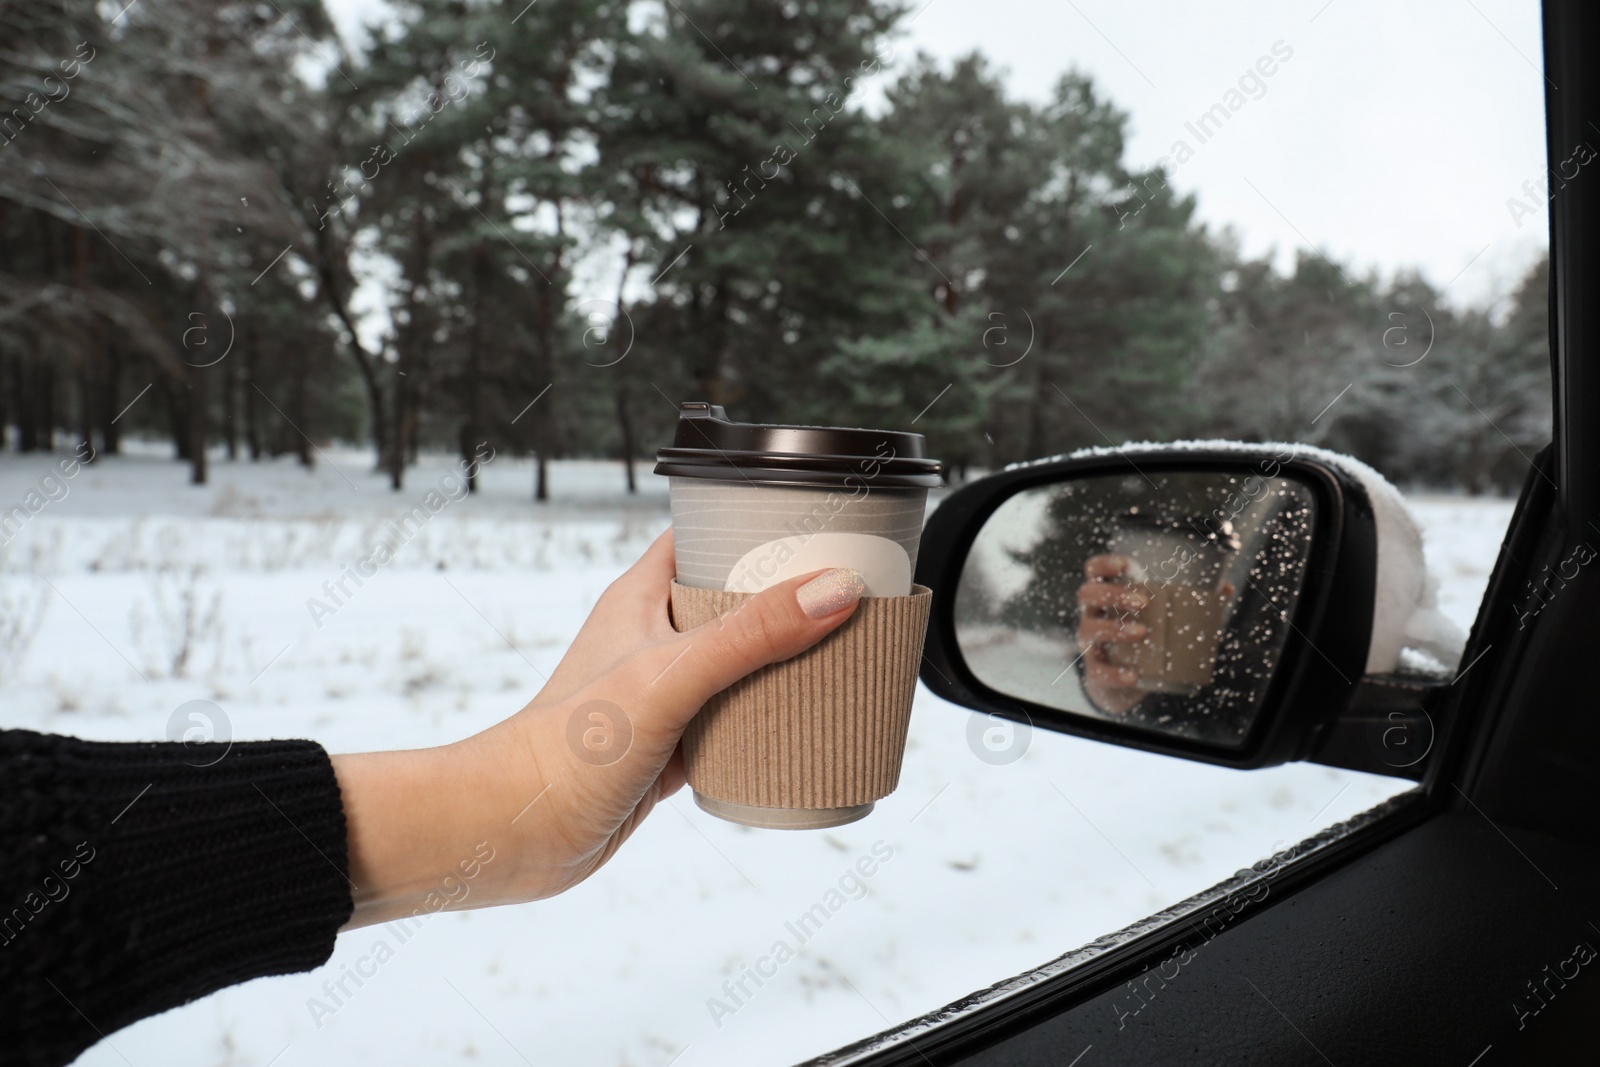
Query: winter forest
[(541, 227)]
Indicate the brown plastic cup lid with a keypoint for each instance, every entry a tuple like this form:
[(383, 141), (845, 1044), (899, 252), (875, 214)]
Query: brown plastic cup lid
[(708, 444)]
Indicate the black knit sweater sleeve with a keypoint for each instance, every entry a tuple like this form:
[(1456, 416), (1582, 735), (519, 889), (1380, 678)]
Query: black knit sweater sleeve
[(137, 877)]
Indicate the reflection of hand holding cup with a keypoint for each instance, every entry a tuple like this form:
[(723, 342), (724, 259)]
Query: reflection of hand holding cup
[(1178, 580), (813, 741)]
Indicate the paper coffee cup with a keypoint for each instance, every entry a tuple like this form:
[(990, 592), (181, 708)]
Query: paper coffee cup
[(1183, 634), (753, 505)]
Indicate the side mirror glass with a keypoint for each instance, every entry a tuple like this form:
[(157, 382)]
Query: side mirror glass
[(1161, 604)]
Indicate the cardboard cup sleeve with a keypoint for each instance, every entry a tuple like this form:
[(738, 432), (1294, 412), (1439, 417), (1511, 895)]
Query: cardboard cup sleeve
[(825, 729)]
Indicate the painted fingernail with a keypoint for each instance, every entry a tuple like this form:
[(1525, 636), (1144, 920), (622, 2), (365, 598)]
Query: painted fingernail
[(831, 592)]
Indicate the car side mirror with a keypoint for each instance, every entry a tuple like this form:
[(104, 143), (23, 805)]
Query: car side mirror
[(1215, 604)]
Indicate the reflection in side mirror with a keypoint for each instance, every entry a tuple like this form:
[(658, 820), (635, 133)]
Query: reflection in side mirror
[(1161, 602)]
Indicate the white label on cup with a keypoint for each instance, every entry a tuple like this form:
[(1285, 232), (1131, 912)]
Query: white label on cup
[(882, 562)]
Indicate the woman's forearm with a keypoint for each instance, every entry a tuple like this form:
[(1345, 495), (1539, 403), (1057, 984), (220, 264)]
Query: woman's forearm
[(431, 829)]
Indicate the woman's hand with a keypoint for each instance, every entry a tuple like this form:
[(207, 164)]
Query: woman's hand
[(537, 803)]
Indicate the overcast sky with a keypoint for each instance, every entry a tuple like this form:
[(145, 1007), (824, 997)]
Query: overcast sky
[(1392, 136)]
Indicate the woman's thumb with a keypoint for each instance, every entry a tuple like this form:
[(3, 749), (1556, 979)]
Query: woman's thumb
[(773, 625)]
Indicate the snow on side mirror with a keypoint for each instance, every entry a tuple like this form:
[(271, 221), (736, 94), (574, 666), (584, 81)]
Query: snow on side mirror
[(1213, 601)]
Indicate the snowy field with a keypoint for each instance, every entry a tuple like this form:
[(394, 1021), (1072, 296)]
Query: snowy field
[(136, 593)]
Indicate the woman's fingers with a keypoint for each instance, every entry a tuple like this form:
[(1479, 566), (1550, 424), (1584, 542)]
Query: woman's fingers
[(657, 566), (1112, 596), (625, 722), (672, 777), (1103, 630), (1106, 565), (643, 587), (630, 613)]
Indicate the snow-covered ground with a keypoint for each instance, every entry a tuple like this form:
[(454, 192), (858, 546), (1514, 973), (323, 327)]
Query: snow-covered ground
[(135, 593)]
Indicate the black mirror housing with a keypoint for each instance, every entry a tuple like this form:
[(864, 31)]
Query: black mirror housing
[(1313, 676)]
